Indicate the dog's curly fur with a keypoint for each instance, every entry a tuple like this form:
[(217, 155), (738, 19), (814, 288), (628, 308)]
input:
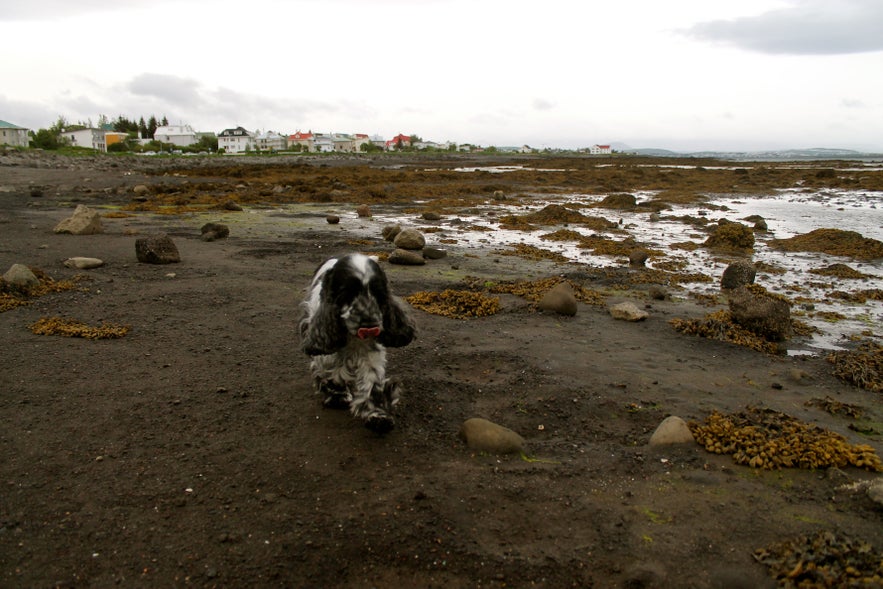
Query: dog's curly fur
[(349, 319)]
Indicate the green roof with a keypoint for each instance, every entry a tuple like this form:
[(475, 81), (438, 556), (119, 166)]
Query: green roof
[(5, 125)]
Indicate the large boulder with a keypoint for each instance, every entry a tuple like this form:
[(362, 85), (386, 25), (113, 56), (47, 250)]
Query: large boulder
[(761, 313), (213, 231), (20, 276), (84, 221), (157, 249), (410, 239), (739, 273), (485, 436), (628, 311), (559, 299), (406, 257)]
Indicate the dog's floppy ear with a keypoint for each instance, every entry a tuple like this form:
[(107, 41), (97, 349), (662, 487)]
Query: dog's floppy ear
[(399, 328), (324, 331)]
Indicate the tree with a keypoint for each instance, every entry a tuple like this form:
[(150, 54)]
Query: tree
[(142, 128), (45, 139), (151, 127)]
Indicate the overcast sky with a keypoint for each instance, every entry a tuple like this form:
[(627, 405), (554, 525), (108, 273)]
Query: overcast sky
[(678, 74)]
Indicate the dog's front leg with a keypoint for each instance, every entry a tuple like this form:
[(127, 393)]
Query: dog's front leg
[(374, 405)]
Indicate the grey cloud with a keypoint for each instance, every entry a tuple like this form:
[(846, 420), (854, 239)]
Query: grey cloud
[(542, 104), (182, 92), (808, 27)]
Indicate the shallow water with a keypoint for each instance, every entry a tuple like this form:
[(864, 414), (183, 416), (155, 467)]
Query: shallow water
[(787, 213)]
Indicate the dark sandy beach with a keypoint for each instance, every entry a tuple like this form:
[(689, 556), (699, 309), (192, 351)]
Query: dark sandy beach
[(192, 451)]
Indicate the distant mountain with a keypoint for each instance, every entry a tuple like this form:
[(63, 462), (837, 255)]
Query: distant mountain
[(814, 153)]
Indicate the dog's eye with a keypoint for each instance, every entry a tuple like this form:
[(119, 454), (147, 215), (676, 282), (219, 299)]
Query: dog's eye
[(348, 291)]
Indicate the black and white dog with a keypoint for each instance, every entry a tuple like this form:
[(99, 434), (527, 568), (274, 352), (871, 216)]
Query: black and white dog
[(349, 319)]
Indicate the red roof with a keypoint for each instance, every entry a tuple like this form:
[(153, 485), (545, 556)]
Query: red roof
[(301, 136)]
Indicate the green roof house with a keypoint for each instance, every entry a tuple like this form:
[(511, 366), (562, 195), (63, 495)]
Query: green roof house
[(13, 135)]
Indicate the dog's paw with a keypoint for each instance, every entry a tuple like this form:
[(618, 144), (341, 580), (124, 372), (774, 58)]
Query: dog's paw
[(380, 423)]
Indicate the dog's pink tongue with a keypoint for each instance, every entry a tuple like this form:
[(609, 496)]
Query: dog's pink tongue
[(365, 332)]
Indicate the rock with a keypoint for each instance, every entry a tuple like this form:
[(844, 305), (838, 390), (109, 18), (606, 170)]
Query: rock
[(232, 205), (655, 217), (406, 257), (559, 299), (657, 293), (760, 225), (672, 430), (36, 192), (499, 195), (638, 257), (141, 189), (157, 249), (332, 219), (628, 312), (213, 231), (875, 491), (761, 313), (485, 436), (434, 253), (81, 263), (410, 239), (84, 221), (363, 211), (739, 273), (431, 216), (389, 232), (21, 276)]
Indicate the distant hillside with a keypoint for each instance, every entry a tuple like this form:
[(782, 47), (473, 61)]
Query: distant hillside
[(814, 153)]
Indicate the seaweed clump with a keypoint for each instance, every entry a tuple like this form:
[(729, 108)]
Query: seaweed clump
[(862, 367), (729, 235), (839, 271), (836, 242), (764, 438), (534, 290), (825, 559), (73, 328), (456, 304), (720, 326), (12, 296)]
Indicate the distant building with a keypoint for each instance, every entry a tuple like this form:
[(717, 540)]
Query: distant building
[(271, 141), (180, 135), (360, 139), (236, 140), (398, 141), (323, 143), (13, 135), (343, 143), (89, 138), (305, 140), (600, 150), (112, 137)]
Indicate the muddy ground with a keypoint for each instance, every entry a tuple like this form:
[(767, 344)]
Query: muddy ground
[(192, 451)]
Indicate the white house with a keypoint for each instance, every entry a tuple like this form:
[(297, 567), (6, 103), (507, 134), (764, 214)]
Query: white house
[(600, 150), (236, 140), (323, 143), (91, 138), (271, 141), (13, 135), (180, 135)]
